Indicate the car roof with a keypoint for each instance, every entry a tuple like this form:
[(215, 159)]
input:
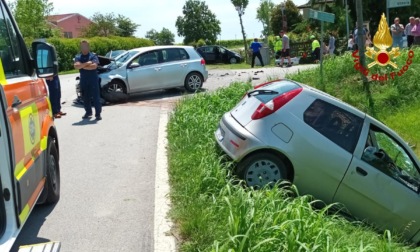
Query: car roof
[(150, 48)]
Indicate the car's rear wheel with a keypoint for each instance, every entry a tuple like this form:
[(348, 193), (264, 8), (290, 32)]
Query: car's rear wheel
[(233, 60), (262, 169), (53, 173), (193, 82)]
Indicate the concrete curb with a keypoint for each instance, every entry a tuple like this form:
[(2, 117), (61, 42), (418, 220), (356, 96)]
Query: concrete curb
[(163, 240)]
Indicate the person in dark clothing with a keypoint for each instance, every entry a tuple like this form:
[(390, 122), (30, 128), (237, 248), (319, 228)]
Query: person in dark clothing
[(54, 89), (256, 47), (87, 63)]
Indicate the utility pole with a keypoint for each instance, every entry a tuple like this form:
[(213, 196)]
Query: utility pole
[(347, 21), (362, 57), (360, 36)]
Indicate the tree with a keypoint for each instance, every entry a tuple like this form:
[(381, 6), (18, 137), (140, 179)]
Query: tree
[(106, 25), (31, 17), (291, 13), (164, 37), (103, 25), (125, 27), (197, 22), (264, 16), (240, 6)]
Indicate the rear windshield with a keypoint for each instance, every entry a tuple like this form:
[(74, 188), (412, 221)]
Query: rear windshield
[(280, 87)]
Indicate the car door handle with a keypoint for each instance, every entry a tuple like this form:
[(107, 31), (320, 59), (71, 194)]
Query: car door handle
[(360, 171), (16, 102), (158, 69), (183, 65)]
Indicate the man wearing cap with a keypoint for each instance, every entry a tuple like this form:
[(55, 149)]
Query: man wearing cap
[(316, 48)]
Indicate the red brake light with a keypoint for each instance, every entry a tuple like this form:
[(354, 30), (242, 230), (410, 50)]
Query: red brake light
[(265, 83), (203, 62), (272, 106)]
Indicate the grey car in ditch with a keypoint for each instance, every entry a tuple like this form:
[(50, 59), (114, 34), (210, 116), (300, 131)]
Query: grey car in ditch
[(284, 130), (153, 68)]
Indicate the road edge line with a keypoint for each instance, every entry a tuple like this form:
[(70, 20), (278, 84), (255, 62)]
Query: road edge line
[(163, 240)]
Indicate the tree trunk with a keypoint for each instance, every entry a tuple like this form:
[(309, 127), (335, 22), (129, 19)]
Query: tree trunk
[(244, 38)]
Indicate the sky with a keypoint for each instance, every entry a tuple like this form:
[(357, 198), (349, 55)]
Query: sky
[(156, 14)]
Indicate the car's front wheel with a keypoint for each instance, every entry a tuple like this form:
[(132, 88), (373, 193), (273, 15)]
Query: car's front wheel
[(115, 92), (193, 82), (262, 169), (116, 87), (233, 60)]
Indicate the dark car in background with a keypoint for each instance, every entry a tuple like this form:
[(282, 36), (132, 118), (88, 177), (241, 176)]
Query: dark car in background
[(219, 54)]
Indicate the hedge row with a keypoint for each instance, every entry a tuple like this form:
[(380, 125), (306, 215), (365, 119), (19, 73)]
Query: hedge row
[(67, 49), (234, 43)]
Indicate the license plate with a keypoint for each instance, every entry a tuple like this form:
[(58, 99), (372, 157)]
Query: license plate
[(220, 134)]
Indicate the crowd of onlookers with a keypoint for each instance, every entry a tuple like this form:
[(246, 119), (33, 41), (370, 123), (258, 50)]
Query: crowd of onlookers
[(398, 31)]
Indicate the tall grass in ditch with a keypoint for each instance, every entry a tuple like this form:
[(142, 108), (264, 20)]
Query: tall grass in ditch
[(213, 214), (341, 80)]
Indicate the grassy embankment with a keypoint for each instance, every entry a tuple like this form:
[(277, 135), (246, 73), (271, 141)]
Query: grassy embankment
[(213, 214)]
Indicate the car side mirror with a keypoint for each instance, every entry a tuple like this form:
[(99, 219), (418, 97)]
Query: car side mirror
[(134, 65), (45, 59)]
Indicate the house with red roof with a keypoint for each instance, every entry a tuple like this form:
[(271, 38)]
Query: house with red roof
[(71, 25)]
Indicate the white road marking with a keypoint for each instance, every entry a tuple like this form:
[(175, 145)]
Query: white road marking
[(163, 240)]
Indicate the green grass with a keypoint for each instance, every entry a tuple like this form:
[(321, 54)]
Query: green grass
[(213, 214)]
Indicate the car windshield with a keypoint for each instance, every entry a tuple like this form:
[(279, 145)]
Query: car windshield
[(115, 54), (123, 58)]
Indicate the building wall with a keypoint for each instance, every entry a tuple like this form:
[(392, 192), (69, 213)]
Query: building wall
[(73, 26)]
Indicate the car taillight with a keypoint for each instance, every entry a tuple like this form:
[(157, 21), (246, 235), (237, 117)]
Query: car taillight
[(272, 106), (203, 62)]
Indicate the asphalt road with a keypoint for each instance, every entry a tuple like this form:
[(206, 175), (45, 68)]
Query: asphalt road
[(107, 181), (108, 170)]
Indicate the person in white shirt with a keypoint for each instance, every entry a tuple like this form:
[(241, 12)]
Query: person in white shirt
[(407, 31), (331, 44), (350, 43), (397, 31)]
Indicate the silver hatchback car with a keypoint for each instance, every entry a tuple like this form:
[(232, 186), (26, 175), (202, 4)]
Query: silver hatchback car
[(285, 130), (152, 68)]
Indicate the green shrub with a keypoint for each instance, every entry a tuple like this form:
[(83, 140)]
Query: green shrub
[(67, 49), (201, 42)]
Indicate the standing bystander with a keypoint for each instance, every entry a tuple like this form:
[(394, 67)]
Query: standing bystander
[(316, 49), (415, 31), (87, 63), (331, 44), (277, 47), (256, 47), (397, 31), (54, 89), (285, 52), (407, 31)]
